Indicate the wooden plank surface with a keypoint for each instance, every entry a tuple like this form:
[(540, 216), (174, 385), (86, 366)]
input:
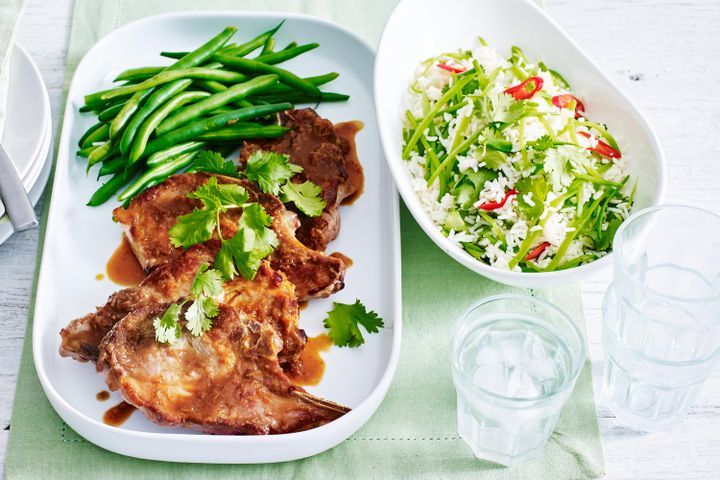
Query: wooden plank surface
[(664, 54)]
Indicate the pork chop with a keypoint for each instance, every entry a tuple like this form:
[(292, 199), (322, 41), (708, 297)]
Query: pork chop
[(149, 217), (314, 144), (227, 381), (269, 297)]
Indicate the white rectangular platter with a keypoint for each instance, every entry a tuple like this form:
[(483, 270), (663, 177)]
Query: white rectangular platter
[(79, 240)]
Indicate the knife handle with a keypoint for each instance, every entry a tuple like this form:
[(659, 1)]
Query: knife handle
[(13, 194)]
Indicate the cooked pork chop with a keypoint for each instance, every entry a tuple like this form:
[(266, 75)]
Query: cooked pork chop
[(150, 216), (227, 381), (269, 298), (314, 144)]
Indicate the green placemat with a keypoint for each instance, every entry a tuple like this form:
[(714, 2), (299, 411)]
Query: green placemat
[(413, 434)]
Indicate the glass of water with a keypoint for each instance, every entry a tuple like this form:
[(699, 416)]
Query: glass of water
[(661, 315), (515, 360)]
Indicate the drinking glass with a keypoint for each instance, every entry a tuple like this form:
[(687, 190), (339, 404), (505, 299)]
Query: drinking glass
[(661, 315), (515, 360)]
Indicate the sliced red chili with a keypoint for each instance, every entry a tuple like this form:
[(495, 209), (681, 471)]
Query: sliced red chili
[(565, 100), (526, 89), (451, 68), (602, 148), (495, 205), (537, 251)]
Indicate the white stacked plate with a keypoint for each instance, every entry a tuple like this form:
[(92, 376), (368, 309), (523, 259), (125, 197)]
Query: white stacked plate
[(28, 130)]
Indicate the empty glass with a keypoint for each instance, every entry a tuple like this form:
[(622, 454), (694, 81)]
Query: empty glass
[(661, 328), (515, 360)]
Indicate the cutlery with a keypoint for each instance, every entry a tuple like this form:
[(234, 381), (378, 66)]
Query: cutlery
[(13, 195)]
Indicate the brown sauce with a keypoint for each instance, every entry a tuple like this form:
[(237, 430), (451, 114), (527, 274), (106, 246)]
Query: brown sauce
[(117, 415), (345, 259), (302, 305), (123, 267), (99, 277), (348, 130), (102, 395), (313, 366)]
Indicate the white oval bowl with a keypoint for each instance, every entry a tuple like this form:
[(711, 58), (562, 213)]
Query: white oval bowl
[(419, 29)]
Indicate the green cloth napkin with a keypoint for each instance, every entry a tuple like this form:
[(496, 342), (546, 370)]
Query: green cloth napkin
[(413, 434)]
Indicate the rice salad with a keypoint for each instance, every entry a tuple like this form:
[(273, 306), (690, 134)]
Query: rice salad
[(506, 163)]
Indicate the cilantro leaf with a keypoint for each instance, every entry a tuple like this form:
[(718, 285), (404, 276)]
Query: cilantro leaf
[(538, 189), (545, 143), (306, 196), (212, 162), (249, 246), (255, 217), (542, 143), (343, 320), (167, 327), (195, 227), (207, 282), (269, 170), (220, 197), (199, 315)]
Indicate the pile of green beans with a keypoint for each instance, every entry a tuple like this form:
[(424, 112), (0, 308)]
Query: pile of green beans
[(159, 118)]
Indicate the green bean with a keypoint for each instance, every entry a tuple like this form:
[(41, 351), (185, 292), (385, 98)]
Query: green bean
[(132, 73), (223, 109), (109, 188), (158, 158), (205, 51), (185, 64), (162, 170), (212, 102), (110, 113), (269, 46), (217, 87), (159, 97), (317, 81), (147, 128), (234, 133), (285, 55), (255, 43), (290, 45), (85, 152), (179, 55), (252, 66), (300, 97), (198, 127), (99, 135), (238, 50), (425, 122), (88, 132), (166, 77), (111, 166), (101, 153), (127, 111)]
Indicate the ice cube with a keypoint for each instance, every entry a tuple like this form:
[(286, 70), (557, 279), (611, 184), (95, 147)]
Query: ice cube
[(488, 355), (521, 384), (490, 377)]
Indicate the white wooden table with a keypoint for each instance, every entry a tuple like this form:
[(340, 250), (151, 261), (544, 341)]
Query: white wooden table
[(664, 54)]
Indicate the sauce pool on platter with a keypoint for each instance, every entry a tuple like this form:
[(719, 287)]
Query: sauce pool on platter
[(123, 267)]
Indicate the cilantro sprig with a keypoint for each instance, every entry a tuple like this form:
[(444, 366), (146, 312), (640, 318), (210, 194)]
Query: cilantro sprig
[(273, 171), (208, 161), (252, 242), (205, 288), (343, 323)]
